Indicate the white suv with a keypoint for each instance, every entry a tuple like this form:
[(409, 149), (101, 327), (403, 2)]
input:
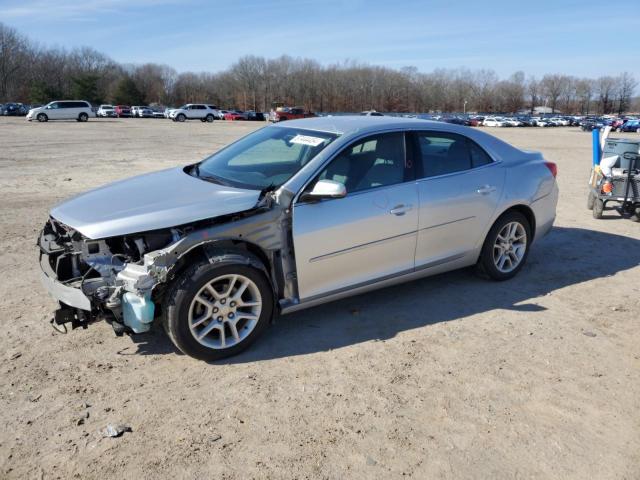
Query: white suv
[(193, 111), (106, 111), (62, 110)]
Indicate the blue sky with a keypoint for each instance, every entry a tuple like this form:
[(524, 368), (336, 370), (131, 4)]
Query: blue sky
[(577, 37)]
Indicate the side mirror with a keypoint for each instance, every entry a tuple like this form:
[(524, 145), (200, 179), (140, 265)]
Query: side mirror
[(324, 189)]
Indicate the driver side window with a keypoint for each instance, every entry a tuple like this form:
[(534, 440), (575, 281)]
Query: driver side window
[(376, 161)]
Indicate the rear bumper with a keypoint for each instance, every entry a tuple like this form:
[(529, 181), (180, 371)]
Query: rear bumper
[(72, 296)]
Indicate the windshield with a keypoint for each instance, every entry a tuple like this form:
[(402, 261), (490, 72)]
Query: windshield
[(264, 159)]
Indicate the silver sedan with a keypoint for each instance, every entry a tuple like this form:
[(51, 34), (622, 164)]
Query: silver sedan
[(291, 216)]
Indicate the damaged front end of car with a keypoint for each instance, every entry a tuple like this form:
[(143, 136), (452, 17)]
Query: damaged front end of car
[(122, 279), (100, 279)]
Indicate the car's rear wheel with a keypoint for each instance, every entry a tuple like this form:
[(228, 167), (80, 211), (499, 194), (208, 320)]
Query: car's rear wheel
[(506, 247), (42, 117), (213, 311)]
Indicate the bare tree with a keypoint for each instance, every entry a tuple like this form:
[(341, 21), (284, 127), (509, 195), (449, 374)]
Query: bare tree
[(554, 86), (13, 51), (626, 85), (606, 89)]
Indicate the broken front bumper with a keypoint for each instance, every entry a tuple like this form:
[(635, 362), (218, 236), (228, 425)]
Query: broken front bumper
[(70, 295)]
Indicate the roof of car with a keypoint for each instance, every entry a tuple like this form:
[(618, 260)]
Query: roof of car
[(345, 124), (357, 124)]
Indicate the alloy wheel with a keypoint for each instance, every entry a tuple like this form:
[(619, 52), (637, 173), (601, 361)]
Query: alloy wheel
[(225, 311), (510, 247)]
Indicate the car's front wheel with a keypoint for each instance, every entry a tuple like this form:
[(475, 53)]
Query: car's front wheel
[(83, 117), (506, 247), (42, 117), (209, 118), (181, 118), (213, 311)]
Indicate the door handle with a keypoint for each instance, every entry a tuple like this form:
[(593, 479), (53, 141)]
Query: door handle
[(400, 210), (486, 189)]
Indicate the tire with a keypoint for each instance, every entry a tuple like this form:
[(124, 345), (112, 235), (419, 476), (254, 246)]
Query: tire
[(598, 208), (83, 117), (180, 307), (181, 118), (591, 200), (517, 252), (635, 217), (209, 119), (42, 117)]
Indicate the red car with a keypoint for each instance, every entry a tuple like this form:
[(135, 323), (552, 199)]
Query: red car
[(288, 113), (122, 111), (234, 116)]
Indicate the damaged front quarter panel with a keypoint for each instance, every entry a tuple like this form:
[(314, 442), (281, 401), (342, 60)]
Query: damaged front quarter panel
[(265, 232)]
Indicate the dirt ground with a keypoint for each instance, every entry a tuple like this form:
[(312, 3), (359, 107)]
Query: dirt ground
[(448, 377)]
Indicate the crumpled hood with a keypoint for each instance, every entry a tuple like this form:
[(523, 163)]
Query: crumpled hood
[(149, 202)]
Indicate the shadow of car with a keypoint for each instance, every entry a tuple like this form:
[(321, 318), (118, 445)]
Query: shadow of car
[(563, 258)]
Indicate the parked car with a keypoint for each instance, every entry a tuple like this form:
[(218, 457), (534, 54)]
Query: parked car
[(288, 113), (79, 110), (630, 126), (256, 116), (193, 111), (14, 110), (222, 113), (122, 111), (589, 124), (526, 121), (210, 244), (158, 112), (235, 115), (559, 121), (106, 111), (493, 122), (511, 122), (135, 111), (145, 112), (371, 113)]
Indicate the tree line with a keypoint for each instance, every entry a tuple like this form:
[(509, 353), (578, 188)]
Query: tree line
[(31, 73)]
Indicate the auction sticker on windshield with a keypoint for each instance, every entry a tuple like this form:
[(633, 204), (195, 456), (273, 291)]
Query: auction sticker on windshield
[(307, 140)]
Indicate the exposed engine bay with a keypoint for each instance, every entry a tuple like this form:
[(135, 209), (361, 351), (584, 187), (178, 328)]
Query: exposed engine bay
[(103, 270)]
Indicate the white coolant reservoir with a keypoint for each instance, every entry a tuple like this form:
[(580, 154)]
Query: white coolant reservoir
[(137, 311)]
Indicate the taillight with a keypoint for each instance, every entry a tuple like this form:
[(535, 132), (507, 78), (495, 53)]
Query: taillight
[(553, 168)]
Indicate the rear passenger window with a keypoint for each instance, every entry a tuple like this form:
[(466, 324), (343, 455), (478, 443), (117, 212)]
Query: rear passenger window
[(478, 156), (442, 153)]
